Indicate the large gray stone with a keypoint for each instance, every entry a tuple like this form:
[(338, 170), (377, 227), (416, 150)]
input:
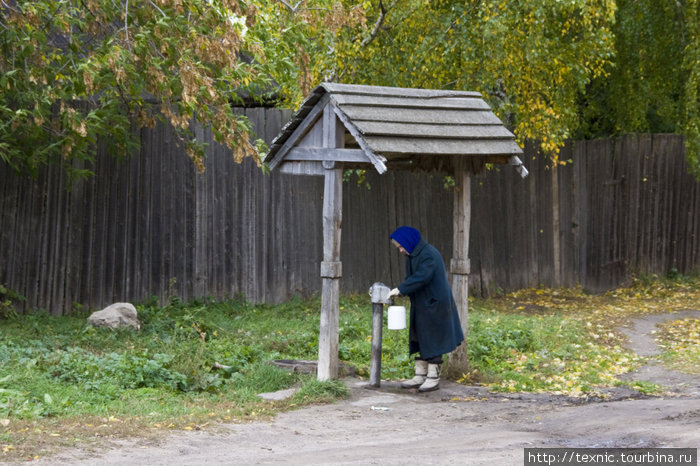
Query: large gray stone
[(118, 315)]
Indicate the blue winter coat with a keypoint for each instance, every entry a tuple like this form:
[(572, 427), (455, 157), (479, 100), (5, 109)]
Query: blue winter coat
[(434, 323)]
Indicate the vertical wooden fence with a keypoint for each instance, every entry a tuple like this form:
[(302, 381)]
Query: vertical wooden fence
[(151, 226)]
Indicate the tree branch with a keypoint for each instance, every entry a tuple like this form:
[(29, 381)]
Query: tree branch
[(292, 8), (156, 7), (126, 23), (375, 30), (10, 7)]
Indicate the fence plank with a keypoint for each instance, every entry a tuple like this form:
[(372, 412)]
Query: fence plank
[(566, 218), (629, 156)]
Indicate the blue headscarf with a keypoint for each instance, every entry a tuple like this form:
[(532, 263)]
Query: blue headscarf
[(407, 237)]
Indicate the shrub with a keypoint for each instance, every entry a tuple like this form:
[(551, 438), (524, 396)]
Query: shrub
[(126, 370)]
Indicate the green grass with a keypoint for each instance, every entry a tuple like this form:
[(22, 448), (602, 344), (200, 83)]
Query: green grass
[(59, 375)]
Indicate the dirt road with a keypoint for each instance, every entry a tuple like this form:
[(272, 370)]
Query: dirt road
[(455, 425)]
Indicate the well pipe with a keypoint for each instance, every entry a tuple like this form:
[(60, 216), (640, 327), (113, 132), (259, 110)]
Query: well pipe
[(378, 294)]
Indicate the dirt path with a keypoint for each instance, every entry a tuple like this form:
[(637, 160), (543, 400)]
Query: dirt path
[(455, 425), (641, 340)]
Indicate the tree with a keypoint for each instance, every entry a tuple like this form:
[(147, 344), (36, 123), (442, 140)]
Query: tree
[(72, 72), (653, 83), (551, 69), (78, 71), (301, 41), (530, 59)]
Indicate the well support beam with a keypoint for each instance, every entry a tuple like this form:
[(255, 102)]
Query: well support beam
[(331, 267), (331, 273), (460, 266)]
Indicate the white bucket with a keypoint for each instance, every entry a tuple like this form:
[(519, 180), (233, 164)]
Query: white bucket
[(397, 317)]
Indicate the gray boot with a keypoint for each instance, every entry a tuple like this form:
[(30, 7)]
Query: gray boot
[(432, 381), (419, 378)]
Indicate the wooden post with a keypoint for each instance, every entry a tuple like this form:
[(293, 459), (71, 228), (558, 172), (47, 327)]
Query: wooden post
[(331, 267), (459, 266)]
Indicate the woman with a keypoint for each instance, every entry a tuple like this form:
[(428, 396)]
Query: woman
[(434, 323)]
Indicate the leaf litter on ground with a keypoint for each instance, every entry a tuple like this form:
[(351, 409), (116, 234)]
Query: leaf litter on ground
[(554, 364)]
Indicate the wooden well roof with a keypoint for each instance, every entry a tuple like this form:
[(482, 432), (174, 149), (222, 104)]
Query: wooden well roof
[(390, 127)]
